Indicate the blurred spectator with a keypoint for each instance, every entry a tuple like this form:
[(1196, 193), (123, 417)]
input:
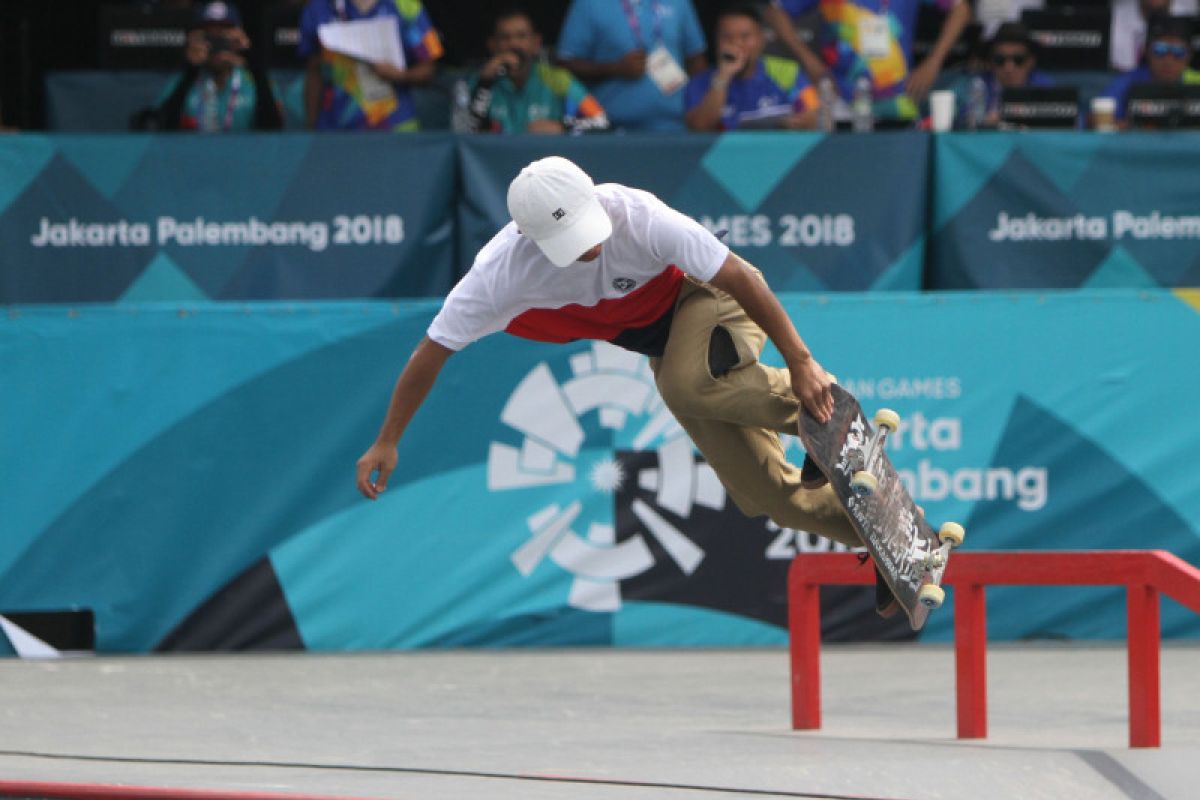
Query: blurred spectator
[(636, 55), (344, 93), (1012, 64), (216, 91), (1167, 55), (516, 91), (746, 89), (872, 38), (1128, 46)]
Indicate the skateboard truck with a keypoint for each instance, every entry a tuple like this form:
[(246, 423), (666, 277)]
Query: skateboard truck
[(864, 482), (931, 594)]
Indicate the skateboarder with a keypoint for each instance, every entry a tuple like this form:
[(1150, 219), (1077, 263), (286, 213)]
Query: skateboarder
[(611, 262)]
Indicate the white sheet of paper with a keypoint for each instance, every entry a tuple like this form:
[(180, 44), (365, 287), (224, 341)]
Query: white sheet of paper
[(374, 40)]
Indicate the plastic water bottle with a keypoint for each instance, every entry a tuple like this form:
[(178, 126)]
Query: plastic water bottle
[(828, 97), (976, 104), (862, 110), (460, 115)]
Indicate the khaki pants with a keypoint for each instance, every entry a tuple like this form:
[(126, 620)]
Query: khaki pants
[(735, 419)]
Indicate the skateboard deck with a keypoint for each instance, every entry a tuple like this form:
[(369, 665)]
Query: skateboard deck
[(909, 554)]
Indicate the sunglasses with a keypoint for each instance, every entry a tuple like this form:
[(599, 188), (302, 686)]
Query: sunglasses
[(1162, 49), (1016, 59)]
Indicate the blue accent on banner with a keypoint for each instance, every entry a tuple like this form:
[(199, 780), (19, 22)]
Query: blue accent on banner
[(813, 212), (301, 217), (237, 217), (1064, 210)]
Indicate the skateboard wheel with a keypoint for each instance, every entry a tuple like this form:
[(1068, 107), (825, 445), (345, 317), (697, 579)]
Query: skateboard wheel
[(952, 533), (931, 595), (886, 418), (864, 483)]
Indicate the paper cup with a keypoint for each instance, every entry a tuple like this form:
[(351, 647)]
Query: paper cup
[(1104, 113), (941, 110)]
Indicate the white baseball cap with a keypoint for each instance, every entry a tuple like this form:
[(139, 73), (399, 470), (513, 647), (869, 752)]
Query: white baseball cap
[(554, 203)]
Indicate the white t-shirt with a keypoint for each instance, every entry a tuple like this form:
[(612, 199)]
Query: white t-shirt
[(633, 283)]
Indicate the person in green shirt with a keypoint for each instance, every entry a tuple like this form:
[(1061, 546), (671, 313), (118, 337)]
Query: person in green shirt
[(220, 89), (517, 92)]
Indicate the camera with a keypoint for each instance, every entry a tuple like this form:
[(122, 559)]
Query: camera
[(218, 43)]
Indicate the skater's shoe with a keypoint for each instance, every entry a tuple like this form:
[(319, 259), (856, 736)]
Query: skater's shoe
[(886, 604), (811, 476)]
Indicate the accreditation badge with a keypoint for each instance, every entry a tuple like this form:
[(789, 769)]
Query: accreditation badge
[(665, 71), (374, 88), (874, 35)]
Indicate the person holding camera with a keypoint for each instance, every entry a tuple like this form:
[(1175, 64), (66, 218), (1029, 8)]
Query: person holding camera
[(218, 91), (515, 92), (747, 89)]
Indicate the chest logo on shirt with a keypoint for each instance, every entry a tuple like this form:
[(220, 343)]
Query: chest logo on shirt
[(624, 284), (558, 213)]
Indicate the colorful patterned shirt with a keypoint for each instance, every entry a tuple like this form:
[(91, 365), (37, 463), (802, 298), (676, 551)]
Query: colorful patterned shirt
[(845, 22), (549, 93), (777, 88), (353, 97)]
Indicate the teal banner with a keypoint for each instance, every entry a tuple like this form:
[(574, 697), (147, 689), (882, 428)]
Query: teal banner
[(815, 213), (188, 475), (236, 217), (1063, 210)]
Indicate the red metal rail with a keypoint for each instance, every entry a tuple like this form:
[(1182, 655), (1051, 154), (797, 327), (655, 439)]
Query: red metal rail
[(1144, 574)]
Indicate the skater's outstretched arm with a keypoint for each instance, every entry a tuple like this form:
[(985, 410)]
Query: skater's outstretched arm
[(414, 383), (809, 381)]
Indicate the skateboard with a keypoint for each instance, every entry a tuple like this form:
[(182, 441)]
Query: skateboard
[(908, 553)]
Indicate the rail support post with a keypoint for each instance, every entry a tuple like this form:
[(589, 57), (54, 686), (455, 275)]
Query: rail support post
[(805, 625), (970, 657), (1144, 627)]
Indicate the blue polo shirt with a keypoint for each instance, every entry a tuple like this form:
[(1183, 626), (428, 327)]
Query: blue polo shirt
[(600, 30), (777, 87)]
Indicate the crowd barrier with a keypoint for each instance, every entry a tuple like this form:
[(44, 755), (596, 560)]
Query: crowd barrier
[(134, 218), (185, 473)]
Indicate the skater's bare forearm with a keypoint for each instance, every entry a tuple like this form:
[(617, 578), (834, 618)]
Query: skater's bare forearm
[(744, 284), (810, 382), (412, 387)]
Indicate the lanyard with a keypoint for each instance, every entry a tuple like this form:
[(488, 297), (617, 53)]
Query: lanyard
[(636, 26), (210, 99)]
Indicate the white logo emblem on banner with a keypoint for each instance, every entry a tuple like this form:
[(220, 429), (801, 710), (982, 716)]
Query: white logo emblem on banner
[(619, 387)]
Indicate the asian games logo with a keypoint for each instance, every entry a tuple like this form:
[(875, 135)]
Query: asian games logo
[(611, 392)]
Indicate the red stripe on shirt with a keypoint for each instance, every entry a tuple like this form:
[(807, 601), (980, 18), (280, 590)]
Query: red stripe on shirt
[(605, 320)]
